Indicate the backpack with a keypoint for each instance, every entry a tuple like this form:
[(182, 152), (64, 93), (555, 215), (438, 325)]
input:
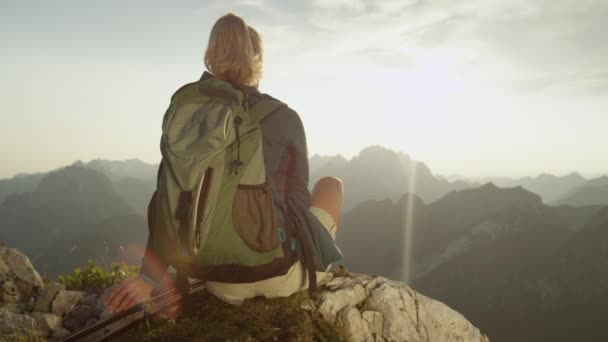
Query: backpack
[(212, 216)]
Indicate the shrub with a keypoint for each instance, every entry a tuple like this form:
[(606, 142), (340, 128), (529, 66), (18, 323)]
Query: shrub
[(95, 278)]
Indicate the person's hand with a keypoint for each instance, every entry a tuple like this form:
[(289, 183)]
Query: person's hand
[(130, 292)]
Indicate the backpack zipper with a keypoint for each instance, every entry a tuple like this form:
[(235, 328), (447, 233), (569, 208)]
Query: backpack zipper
[(202, 203), (238, 163)]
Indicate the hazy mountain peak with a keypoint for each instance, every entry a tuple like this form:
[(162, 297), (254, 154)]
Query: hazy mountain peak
[(129, 168), (546, 176), (489, 185), (377, 151), (575, 176), (490, 193), (599, 181), (74, 178)]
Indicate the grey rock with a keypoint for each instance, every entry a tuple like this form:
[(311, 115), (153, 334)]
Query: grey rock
[(18, 279), (11, 322), (375, 321), (9, 291), (334, 301), (90, 322), (378, 309), (101, 306), (72, 324), (83, 312), (44, 300), (65, 301), (354, 324), (47, 322), (90, 300)]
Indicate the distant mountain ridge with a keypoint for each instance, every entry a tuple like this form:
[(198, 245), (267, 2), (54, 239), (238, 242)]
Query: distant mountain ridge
[(377, 173), (497, 254), (548, 186), (547, 282), (592, 192), (73, 214), (458, 221), (133, 180)]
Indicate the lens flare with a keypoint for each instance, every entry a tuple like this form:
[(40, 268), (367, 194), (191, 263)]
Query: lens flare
[(408, 220)]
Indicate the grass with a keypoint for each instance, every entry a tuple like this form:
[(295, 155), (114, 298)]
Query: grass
[(206, 318), (24, 336)]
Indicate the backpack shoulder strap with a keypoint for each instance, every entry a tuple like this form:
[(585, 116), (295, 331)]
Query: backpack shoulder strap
[(261, 109)]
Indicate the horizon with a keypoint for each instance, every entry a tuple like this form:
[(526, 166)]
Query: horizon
[(471, 88), (450, 177)]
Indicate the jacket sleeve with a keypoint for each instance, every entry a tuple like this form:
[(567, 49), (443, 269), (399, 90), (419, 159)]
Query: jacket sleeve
[(153, 267), (299, 201)]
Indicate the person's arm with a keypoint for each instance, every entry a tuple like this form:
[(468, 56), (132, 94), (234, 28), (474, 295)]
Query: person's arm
[(298, 197), (315, 237), (152, 276)]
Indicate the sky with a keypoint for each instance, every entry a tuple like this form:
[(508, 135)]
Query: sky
[(473, 88)]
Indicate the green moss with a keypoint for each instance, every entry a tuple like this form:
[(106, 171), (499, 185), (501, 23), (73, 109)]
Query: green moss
[(206, 318)]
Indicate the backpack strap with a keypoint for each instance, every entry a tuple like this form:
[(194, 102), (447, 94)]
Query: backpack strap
[(261, 109)]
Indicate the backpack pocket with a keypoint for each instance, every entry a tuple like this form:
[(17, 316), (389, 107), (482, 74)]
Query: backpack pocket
[(254, 219)]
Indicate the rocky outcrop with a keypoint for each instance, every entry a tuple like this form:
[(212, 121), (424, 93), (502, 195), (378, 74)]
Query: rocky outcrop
[(367, 308), (29, 307), (372, 308), (19, 281)]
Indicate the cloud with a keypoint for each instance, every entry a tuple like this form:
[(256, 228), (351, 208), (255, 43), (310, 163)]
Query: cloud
[(516, 45), (542, 44)]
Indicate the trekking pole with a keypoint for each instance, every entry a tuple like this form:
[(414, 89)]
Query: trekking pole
[(153, 312), (136, 308)]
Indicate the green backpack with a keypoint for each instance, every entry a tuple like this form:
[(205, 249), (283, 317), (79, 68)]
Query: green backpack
[(213, 216)]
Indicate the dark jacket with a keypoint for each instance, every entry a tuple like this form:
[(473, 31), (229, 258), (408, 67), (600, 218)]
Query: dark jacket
[(286, 162)]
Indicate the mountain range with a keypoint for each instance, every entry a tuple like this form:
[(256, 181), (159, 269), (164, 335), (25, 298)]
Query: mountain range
[(592, 192), (510, 263), (523, 259), (73, 213), (378, 173)]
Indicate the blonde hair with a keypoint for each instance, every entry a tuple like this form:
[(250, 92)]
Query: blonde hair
[(234, 52)]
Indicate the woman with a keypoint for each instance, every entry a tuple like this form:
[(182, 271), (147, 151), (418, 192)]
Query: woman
[(234, 54)]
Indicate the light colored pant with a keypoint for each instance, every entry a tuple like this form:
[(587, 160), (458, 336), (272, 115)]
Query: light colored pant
[(296, 279)]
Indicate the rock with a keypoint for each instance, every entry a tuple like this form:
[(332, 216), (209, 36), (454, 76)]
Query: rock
[(308, 305), (100, 307), (334, 301), (83, 312), (47, 322), (11, 322), (44, 300), (378, 309), (90, 322), (18, 279), (375, 321), (370, 308), (10, 292), (356, 327), (90, 300), (60, 333), (65, 301), (72, 324)]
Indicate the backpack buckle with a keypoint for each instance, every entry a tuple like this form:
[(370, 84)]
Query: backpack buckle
[(236, 165)]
